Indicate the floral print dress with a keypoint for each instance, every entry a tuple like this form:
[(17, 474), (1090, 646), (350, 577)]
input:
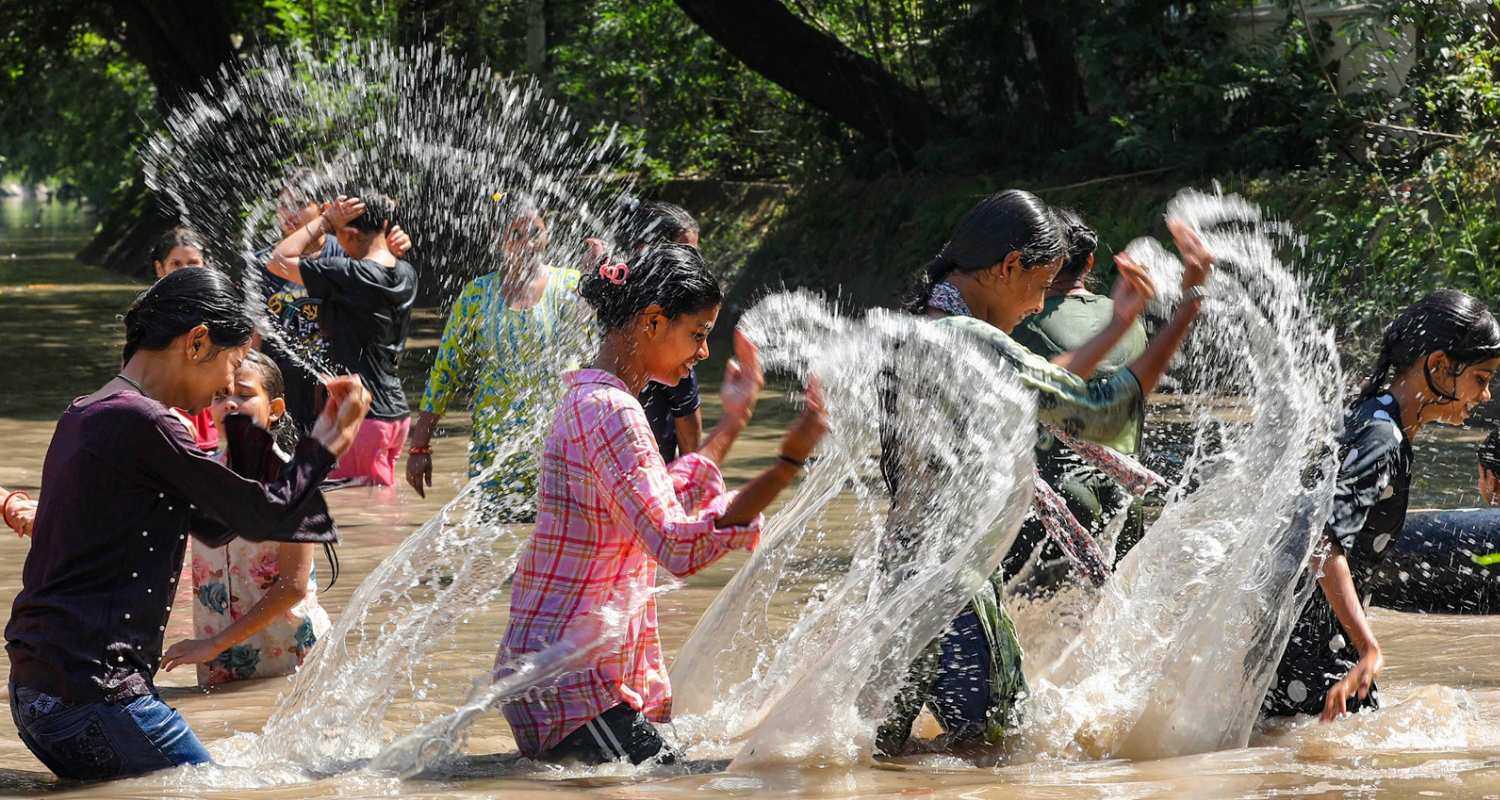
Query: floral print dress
[(227, 582)]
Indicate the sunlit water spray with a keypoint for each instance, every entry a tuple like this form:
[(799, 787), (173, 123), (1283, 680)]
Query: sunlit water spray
[(459, 149), (1177, 650)]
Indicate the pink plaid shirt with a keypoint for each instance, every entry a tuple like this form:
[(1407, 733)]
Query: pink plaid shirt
[(608, 512)]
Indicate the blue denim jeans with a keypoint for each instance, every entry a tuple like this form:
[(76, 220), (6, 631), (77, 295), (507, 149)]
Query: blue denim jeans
[(98, 741)]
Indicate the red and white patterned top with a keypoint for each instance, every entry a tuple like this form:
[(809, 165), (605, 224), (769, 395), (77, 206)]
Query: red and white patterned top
[(608, 512)]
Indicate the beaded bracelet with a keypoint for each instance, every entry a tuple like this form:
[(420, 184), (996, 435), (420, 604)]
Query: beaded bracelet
[(420, 450)]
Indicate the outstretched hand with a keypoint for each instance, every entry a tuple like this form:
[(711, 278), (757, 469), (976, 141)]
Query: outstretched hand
[(20, 515), (1197, 261), (742, 380), (1133, 289), (190, 651), (811, 425), (1357, 683), (348, 402)]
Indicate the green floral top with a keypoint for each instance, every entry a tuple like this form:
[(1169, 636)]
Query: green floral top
[(1097, 410), (497, 351)]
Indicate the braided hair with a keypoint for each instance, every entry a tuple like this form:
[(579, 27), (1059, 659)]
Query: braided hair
[(1446, 321), (1082, 242), (1001, 224)]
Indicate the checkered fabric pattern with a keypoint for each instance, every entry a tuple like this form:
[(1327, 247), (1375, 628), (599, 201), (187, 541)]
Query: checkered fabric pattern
[(609, 511)]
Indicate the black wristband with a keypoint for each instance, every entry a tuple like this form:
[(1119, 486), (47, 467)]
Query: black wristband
[(786, 459)]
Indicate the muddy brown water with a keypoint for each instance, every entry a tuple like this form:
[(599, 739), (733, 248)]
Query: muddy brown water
[(1439, 735)]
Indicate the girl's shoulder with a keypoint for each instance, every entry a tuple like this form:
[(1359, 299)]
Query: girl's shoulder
[(598, 398), (1372, 434)]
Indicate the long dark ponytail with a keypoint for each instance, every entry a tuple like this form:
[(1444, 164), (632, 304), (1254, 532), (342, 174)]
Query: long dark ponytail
[(1446, 321), (1001, 224)]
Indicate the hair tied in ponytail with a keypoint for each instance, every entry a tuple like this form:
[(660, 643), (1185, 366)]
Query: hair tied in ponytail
[(615, 273)]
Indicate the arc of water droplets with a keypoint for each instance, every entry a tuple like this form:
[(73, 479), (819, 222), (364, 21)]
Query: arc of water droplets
[(443, 140), (1175, 654), (867, 586), (416, 124)]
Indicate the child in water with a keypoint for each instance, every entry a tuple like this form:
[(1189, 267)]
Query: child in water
[(366, 301), (610, 511), (1436, 363), (255, 604)]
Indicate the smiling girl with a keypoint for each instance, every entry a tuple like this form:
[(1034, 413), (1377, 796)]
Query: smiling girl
[(1436, 363), (609, 510)]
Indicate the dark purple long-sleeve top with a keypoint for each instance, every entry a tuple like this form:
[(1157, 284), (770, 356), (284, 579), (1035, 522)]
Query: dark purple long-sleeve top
[(123, 486)]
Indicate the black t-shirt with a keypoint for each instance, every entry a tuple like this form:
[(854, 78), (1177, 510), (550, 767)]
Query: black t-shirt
[(365, 314), (664, 405), (295, 316), (1369, 511)]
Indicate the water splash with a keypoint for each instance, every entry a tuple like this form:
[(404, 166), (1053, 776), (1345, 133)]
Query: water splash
[(459, 148), (874, 581), (462, 150), (1180, 646)]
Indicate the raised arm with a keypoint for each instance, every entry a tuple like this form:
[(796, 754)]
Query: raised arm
[(1197, 263), (1133, 290), (286, 257), (254, 510)]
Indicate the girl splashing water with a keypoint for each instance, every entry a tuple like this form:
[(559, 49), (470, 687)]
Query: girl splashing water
[(993, 273), (610, 511), (1436, 363)]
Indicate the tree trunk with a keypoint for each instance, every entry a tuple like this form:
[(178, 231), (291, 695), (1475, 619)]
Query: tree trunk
[(536, 39), (180, 45), (1056, 48), (820, 69)]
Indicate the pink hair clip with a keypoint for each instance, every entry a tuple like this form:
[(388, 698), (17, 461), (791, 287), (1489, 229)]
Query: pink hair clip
[(614, 273)]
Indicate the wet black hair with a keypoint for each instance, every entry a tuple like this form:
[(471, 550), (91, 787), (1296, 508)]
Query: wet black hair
[(182, 301), (272, 381), (1446, 321), (380, 211), (653, 223), (670, 275), (1001, 224), (1081, 240), (177, 237)]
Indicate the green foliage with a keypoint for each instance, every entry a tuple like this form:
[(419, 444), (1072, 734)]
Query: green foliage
[(673, 91), (72, 115)]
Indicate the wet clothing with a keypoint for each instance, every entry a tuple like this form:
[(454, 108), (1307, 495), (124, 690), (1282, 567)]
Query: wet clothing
[(295, 316), (124, 486), (495, 351), (365, 313), (1065, 324), (371, 459), (229, 581), (1369, 511), (974, 689), (664, 405), (103, 740), (619, 734), (1489, 452), (609, 512), (1094, 410)]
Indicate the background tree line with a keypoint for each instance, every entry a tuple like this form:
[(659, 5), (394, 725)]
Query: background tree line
[(1391, 178)]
